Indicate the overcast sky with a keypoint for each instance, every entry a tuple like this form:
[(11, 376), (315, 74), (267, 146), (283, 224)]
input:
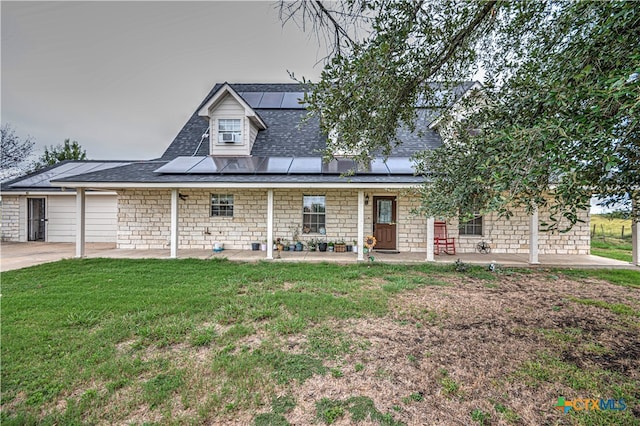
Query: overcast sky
[(122, 78)]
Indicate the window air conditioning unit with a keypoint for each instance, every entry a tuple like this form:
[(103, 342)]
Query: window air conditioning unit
[(229, 137)]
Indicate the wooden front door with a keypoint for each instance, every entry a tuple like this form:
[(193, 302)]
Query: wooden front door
[(384, 222)]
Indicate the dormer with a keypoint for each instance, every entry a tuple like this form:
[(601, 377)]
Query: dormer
[(233, 124)]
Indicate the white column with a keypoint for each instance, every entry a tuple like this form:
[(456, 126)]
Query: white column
[(174, 223), (80, 222), (270, 224), (533, 237), (635, 238), (430, 235), (360, 225)]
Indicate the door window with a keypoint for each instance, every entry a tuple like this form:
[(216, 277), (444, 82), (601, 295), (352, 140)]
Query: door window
[(385, 210)]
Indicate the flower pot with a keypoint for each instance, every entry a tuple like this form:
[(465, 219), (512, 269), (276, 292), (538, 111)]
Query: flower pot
[(354, 249), (340, 248), (255, 246), (299, 246), (292, 247), (263, 247), (349, 248), (331, 248), (322, 246)]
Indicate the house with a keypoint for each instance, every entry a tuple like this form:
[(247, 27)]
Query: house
[(35, 210), (245, 168)]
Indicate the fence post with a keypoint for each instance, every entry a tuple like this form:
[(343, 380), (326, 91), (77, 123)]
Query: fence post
[(622, 233)]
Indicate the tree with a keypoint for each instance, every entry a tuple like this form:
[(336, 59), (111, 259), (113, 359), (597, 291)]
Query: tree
[(14, 153), (558, 116), (69, 150)]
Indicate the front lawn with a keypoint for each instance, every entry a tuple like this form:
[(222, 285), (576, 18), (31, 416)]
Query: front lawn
[(192, 341)]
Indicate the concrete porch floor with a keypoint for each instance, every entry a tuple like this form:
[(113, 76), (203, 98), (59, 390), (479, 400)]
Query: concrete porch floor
[(21, 255)]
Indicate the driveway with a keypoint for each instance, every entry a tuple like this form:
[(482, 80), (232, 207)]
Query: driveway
[(22, 255)]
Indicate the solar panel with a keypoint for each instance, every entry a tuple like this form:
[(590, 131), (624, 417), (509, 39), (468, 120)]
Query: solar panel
[(377, 166), (276, 165), (204, 167), (306, 165), (179, 165), (271, 100), (291, 100), (252, 98), (44, 179), (231, 165), (400, 165), (339, 166)]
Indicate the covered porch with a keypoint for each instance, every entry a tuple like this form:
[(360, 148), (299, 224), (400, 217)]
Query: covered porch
[(21, 255), (269, 217)]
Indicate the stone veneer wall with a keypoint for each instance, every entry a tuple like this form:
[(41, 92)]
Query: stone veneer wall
[(10, 218), (512, 235), (144, 220)]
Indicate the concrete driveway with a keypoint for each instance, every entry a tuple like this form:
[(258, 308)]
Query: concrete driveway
[(22, 255)]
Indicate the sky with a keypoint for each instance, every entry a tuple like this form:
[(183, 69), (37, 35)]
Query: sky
[(122, 78)]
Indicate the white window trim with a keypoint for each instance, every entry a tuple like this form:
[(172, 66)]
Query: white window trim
[(221, 195), (314, 213), (238, 135)]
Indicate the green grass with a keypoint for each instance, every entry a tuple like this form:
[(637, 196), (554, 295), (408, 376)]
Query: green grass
[(612, 249), (95, 340), (68, 324), (622, 277), (360, 408), (608, 239)]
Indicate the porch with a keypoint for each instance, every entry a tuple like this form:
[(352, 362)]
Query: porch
[(21, 255)]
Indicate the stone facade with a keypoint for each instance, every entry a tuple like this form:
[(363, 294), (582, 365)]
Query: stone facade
[(144, 222), (10, 218), (512, 235)]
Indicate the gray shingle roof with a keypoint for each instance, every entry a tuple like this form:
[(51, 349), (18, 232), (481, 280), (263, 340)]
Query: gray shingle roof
[(286, 136)]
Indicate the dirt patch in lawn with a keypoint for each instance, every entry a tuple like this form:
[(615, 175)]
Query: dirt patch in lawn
[(492, 348)]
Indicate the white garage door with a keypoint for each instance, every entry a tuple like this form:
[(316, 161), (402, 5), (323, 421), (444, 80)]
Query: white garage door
[(101, 219)]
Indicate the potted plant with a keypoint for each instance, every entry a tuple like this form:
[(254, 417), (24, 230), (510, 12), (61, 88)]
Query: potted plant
[(263, 245), (312, 244), (299, 246), (354, 248), (340, 247), (279, 245), (255, 246), (322, 245), (331, 245)]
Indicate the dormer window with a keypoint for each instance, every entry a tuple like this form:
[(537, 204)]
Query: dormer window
[(229, 130)]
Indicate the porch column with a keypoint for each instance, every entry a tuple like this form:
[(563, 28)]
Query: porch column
[(80, 222), (635, 238), (533, 237), (174, 223), (430, 236), (270, 224), (360, 225)]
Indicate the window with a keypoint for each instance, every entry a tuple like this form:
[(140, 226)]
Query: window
[(222, 205), (229, 130), (313, 214), (472, 227)]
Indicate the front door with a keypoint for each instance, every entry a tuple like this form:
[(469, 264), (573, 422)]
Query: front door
[(36, 219), (384, 222)]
